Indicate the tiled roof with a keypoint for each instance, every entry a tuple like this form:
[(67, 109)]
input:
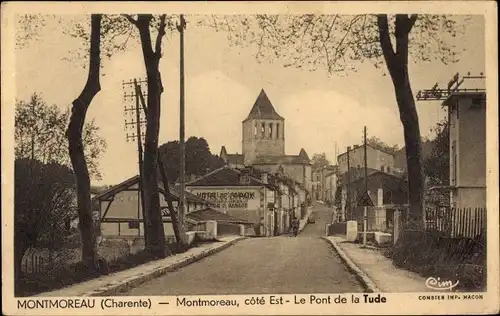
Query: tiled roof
[(235, 159), (210, 214), (225, 176), (392, 180), (174, 191), (281, 160), (263, 109), (356, 174)]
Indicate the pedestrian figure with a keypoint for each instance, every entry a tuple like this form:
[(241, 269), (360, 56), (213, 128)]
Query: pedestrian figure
[(295, 226)]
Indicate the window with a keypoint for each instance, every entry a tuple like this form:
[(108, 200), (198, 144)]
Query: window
[(382, 168), (278, 130), (263, 130), (244, 179), (270, 130), (388, 169), (387, 197), (133, 225), (255, 130)]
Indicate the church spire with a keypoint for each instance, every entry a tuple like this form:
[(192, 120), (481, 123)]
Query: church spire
[(263, 109)]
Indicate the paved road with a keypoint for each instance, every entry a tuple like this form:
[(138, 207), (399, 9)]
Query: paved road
[(322, 215), (281, 265)]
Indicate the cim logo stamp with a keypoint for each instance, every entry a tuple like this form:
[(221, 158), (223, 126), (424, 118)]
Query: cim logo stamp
[(437, 284)]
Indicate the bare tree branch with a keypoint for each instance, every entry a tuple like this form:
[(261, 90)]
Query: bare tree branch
[(161, 33), (413, 19), (130, 19), (385, 40)]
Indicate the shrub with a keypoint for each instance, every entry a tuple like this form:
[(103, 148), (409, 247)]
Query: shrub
[(431, 253), (63, 276)]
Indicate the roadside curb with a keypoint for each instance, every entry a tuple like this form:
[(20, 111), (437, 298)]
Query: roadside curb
[(136, 280), (362, 277)]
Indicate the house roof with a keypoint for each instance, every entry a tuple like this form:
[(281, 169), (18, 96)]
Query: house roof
[(360, 147), (235, 159), (301, 159), (174, 191), (456, 94), (225, 176), (359, 175), (209, 214), (263, 109), (392, 180)]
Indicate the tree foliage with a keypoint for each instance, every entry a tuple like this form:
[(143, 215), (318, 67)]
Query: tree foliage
[(334, 42), (437, 164), (40, 134), (44, 201), (379, 144), (199, 159), (319, 161)]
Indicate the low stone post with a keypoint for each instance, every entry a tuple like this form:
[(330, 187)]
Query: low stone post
[(211, 227), (352, 231), (397, 226)]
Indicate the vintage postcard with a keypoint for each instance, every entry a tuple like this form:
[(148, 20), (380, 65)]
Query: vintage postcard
[(250, 158)]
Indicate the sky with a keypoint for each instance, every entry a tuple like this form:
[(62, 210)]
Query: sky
[(322, 111)]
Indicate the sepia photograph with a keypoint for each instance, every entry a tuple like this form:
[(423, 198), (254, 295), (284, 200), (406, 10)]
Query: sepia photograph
[(286, 158)]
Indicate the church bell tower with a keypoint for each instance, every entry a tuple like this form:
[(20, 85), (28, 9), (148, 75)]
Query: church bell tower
[(263, 131)]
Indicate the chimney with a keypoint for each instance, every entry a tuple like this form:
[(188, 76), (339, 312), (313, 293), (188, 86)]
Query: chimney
[(245, 176), (264, 177)]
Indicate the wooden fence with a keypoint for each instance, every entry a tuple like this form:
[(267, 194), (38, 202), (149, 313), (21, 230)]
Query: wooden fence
[(456, 222)]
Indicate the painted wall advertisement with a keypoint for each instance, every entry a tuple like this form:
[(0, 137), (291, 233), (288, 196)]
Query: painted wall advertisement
[(230, 199)]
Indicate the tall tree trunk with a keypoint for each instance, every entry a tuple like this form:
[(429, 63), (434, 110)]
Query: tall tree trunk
[(397, 64), (75, 145), (168, 198), (155, 238)]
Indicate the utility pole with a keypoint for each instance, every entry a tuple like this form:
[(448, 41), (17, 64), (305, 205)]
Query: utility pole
[(365, 208), (182, 199), (349, 212), (136, 121)]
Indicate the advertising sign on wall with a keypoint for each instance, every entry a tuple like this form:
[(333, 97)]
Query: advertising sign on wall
[(228, 199)]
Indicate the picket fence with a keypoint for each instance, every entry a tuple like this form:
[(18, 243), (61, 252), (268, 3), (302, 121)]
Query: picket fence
[(456, 222)]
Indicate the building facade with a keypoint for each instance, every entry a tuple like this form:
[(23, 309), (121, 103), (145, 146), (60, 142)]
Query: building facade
[(324, 183), (375, 159), (467, 119), (266, 200), (263, 145), (389, 193), (120, 209)]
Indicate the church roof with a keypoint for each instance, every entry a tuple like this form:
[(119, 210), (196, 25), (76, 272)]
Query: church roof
[(301, 159), (235, 159), (281, 160), (263, 109)]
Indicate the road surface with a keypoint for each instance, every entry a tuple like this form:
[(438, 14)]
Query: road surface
[(281, 265)]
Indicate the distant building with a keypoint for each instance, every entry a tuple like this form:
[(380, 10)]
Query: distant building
[(376, 159), (345, 196), (324, 183), (263, 145), (268, 200), (389, 193), (233, 160)]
